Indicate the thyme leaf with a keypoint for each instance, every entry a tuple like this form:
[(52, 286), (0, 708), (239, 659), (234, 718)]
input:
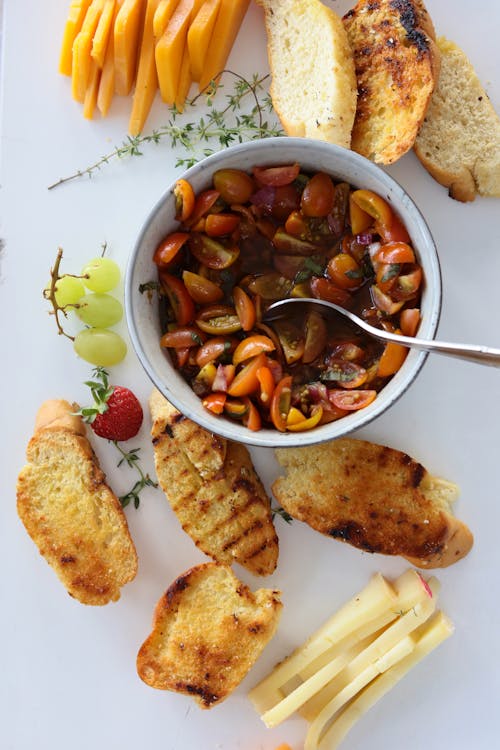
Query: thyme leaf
[(132, 459)]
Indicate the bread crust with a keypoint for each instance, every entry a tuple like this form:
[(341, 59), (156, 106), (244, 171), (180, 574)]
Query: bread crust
[(69, 511), (376, 498), (397, 65), (208, 630), (220, 502)]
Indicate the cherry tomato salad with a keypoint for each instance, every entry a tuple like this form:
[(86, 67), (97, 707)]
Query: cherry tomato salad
[(251, 239)]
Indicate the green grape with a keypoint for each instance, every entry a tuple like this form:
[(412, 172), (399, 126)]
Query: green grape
[(100, 346), (68, 290), (101, 310), (103, 274)]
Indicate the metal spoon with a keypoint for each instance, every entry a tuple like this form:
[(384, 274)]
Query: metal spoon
[(482, 355)]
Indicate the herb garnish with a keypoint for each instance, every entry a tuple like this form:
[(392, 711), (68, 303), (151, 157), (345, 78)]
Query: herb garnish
[(131, 458)]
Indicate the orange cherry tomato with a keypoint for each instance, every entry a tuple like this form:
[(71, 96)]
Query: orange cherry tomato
[(217, 225), (383, 302), (251, 347), (233, 185), (201, 289), (386, 276), (322, 288), (281, 402), (182, 338), (309, 423), (318, 196), (395, 252), (182, 356), (245, 308), (213, 349), (395, 232), (359, 219), (251, 419), (235, 407), (294, 417), (315, 337), (202, 206), (214, 402), (351, 400), (168, 248), (218, 319), (246, 381), (344, 271), (392, 358), (407, 285), (295, 224), (211, 253), (409, 320), (291, 339), (184, 200), (266, 382), (374, 205), (276, 176), (178, 296)]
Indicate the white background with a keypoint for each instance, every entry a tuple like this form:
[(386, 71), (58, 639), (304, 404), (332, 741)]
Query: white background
[(67, 672)]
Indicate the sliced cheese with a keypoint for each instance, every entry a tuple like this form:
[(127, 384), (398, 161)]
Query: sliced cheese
[(90, 99), (82, 46), (200, 34), (428, 637), (163, 15), (169, 50), (127, 39), (185, 81), (227, 25), (147, 80), (107, 81), (76, 14), (102, 33)]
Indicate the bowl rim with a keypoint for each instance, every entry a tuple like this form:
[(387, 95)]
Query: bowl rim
[(269, 437)]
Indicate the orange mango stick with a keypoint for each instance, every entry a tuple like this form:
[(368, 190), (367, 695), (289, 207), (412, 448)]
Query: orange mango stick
[(90, 99), (199, 35), (127, 38), (184, 81), (147, 80), (80, 71), (77, 12), (102, 32), (170, 49), (163, 15), (229, 19), (107, 82)]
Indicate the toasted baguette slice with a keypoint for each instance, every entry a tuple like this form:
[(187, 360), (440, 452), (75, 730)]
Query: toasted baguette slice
[(397, 66), (459, 141), (313, 87), (70, 512), (373, 497), (214, 490), (208, 631)]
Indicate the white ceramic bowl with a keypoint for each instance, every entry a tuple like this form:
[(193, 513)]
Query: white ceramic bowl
[(341, 164)]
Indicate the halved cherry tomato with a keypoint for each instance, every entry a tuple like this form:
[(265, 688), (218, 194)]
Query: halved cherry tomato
[(395, 232), (235, 407), (266, 381), (233, 185), (251, 419), (276, 176), (182, 356), (217, 225), (218, 319), (348, 374), (201, 289), (184, 200), (322, 288), (213, 349), (252, 346), (211, 253), (286, 199), (214, 402), (182, 338), (178, 296), (309, 423), (245, 308), (246, 381), (206, 376), (315, 336), (386, 276), (344, 271), (296, 224), (392, 358), (168, 248), (395, 252), (409, 321), (290, 245), (281, 402), (374, 205), (270, 286), (294, 417), (349, 351), (202, 206), (408, 285), (358, 218), (383, 302), (351, 400), (291, 340), (318, 196)]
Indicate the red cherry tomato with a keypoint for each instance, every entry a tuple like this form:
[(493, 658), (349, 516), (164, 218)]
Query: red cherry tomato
[(351, 400), (276, 176), (318, 196), (234, 185), (168, 248), (179, 298), (218, 225), (281, 402)]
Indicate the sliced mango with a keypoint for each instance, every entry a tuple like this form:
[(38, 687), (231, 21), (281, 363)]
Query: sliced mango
[(107, 81), (163, 15), (147, 80), (76, 14), (127, 30), (184, 81), (82, 46), (199, 35), (102, 32), (229, 19), (169, 50), (90, 99)]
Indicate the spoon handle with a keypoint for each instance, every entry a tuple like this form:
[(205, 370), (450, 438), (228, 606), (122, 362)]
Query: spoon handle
[(483, 355)]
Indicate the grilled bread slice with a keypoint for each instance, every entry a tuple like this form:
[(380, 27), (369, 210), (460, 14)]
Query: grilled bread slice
[(375, 498), (70, 512), (313, 87), (459, 141), (219, 500), (397, 66), (208, 631)]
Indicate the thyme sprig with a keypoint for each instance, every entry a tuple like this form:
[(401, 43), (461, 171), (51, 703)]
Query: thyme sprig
[(276, 511), (218, 128), (132, 459)]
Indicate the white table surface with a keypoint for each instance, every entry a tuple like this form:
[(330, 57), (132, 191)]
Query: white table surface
[(68, 677)]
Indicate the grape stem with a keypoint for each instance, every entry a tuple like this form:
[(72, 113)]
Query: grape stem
[(50, 295)]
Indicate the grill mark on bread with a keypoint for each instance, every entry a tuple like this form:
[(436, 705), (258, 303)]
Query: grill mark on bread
[(409, 22)]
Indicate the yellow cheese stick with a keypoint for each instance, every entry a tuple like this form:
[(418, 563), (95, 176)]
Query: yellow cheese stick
[(77, 11), (430, 635), (102, 33), (82, 46), (147, 80), (227, 25), (163, 15), (199, 35), (184, 81), (127, 39), (107, 82), (90, 99), (169, 50)]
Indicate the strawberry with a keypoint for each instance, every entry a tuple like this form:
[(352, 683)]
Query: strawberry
[(116, 413)]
